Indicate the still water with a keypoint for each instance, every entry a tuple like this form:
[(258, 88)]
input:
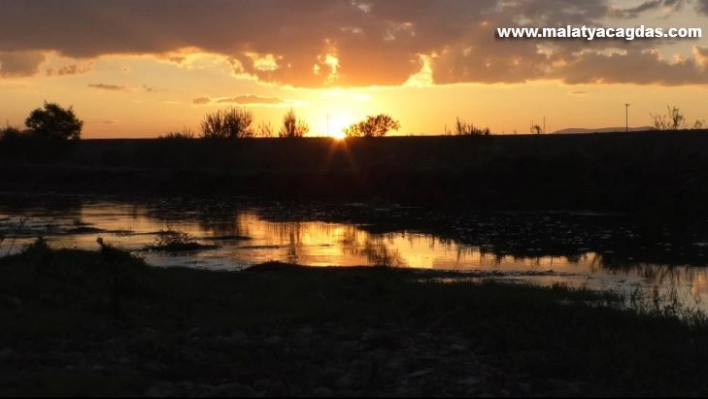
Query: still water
[(582, 249)]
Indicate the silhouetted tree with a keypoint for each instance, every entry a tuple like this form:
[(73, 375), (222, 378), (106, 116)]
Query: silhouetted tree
[(373, 126), (232, 123), (54, 122), (292, 127)]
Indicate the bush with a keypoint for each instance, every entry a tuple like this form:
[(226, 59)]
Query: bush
[(463, 128), (232, 123), (185, 134), (10, 133), (292, 127), (54, 122)]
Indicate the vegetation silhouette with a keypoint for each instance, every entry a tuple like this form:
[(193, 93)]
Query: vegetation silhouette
[(232, 123), (536, 129), (373, 126), (184, 134), (265, 130), (54, 122), (675, 120), (292, 126), (463, 128)]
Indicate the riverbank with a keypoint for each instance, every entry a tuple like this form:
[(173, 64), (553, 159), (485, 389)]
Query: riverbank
[(89, 323), (647, 172)]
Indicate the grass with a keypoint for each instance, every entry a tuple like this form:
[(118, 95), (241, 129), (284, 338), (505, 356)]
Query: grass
[(644, 172), (280, 329)]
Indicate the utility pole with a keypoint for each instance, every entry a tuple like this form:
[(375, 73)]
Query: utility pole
[(626, 117), (328, 116)]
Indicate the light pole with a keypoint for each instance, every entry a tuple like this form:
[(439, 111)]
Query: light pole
[(328, 115), (626, 117)]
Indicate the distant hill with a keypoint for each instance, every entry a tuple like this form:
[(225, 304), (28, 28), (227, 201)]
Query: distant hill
[(574, 130)]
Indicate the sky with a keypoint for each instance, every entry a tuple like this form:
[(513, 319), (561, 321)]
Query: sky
[(135, 68)]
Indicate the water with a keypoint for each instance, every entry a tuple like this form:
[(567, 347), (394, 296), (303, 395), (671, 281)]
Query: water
[(582, 249)]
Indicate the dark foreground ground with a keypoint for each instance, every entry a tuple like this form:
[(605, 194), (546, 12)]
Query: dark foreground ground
[(647, 172), (89, 323)]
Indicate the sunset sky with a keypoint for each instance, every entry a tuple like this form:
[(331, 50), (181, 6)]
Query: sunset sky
[(134, 68)]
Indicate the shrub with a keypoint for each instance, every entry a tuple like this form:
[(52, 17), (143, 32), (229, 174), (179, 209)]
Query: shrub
[(184, 134), (673, 120), (10, 133), (232, 123), (292, 127), (463, 128)]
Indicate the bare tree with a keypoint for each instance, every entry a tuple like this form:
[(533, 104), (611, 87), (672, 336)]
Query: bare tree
[(373, 126), (232, 123), (536, 129), (292, 127), (673, 120)]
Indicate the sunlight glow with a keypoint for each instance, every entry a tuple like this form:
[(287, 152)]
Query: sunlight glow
[(337, 123)]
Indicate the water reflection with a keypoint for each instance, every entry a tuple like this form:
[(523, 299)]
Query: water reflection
[(575, 251)]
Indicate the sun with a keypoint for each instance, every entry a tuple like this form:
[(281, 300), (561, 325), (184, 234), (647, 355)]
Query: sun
[(337, 123), (338, 135)]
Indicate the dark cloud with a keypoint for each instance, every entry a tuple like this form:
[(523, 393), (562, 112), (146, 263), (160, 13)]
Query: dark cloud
[(642, 67), (702, 6), (336, 42), (104, 86), (20, 63), (650, 5), (69, 70)]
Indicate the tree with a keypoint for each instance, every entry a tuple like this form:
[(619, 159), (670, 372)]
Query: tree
[(292, 127), (373, 126), (54, 122), (232, 123)]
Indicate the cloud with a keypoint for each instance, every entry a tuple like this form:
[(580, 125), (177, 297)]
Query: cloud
[(250, 100), (112, 87), (201, 100), (579, 93), (104, 86), (69, 70), (702, 6), (668, 6), (245, 100), (641, 67), (341, 43), (20, 63)]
